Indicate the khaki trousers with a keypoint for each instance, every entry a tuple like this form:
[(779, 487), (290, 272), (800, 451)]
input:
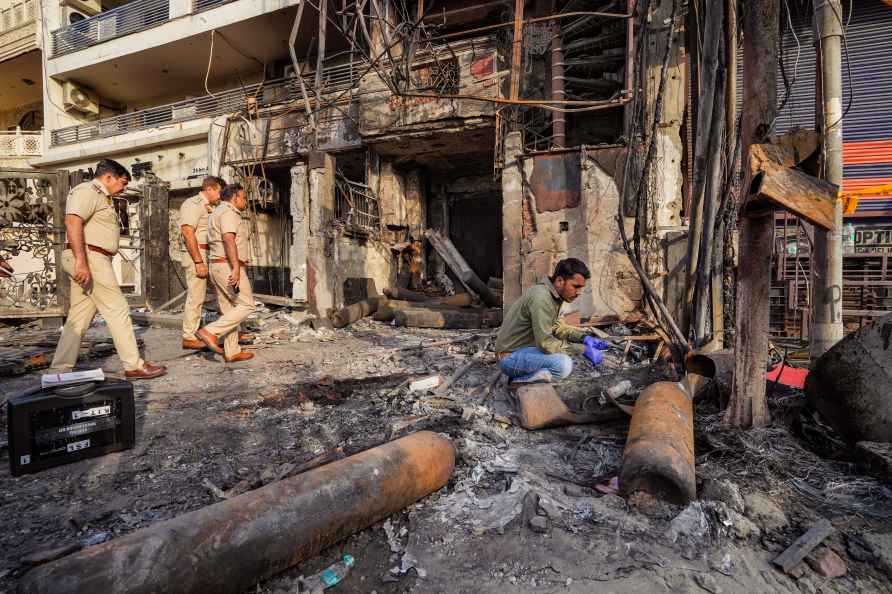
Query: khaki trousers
[(235, 307), (196, 291), (104, 296)]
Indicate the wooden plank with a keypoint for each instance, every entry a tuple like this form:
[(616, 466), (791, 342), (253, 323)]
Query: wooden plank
[(805, 196), (426, 318), (516, 47), (803, 545), (637, 337), (445, 248), (275, 300), (155, 225)]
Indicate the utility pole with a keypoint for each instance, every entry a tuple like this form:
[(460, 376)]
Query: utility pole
[(747, 407), (826, 297)]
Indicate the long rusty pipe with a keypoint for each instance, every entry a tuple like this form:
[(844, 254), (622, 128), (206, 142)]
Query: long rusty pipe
[(558, 119), (659, 454), (230, 546)]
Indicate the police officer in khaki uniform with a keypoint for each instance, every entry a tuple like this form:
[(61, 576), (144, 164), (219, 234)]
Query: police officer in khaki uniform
[(194, 226), (93, 230), (229, 257)]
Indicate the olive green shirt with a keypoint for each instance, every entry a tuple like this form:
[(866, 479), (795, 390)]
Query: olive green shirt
[(533, 320)]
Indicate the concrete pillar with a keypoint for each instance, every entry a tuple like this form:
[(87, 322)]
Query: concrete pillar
[(666, 173), (321, 244), (614, 288), (512, 219), (300, 231)]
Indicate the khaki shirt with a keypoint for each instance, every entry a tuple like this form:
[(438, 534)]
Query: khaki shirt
[(91, 202), (227, 219), (533, 320), (194, 212)]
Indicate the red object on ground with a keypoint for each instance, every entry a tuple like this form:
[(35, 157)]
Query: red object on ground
[(789, 376)]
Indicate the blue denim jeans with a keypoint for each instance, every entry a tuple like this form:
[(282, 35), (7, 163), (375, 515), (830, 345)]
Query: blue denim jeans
[(523, 363)]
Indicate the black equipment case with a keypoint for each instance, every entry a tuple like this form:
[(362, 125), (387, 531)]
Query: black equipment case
[(54, 426)]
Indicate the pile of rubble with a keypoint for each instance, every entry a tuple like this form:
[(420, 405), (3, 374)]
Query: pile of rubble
[(522, 509)]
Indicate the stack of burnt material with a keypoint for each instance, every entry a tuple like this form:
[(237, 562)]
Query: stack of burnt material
[(402, 307), (480, 306)]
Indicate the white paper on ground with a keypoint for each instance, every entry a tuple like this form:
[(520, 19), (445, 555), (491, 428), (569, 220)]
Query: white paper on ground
[(50, 380)]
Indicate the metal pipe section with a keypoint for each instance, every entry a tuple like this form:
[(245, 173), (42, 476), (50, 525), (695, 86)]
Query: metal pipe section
[(540, 407), (826, 329), (558, 119), (659, 454), (629, 91), (230, 546)]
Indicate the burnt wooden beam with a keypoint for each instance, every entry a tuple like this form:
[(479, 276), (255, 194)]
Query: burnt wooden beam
[(446, 249), (804, 545)]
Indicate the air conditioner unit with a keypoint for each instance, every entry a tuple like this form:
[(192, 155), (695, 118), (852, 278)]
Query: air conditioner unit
[(107, 27), (184, 112), (76, 98)]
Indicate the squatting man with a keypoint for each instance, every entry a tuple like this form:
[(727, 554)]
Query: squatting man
[(533, 345)]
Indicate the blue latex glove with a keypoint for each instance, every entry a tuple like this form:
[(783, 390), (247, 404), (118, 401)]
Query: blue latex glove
[(596, 343), (593, 354)]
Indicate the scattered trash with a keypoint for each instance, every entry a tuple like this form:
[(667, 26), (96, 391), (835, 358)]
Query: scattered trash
[(793, 377), (95, 539), (619, 389), (425, 384), (331, 576), (611, 487), (691, 523)]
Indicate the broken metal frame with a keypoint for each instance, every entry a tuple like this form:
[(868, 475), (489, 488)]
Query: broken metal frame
[(356, 206), (38, 229)]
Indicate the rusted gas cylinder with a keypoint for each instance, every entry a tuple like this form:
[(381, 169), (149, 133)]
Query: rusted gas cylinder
[(540, 407), (355, 312), (851, 384), (232, 545), (659, 454)]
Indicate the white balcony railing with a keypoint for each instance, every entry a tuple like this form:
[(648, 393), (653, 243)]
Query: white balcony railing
[(132, 17), (21, 144)]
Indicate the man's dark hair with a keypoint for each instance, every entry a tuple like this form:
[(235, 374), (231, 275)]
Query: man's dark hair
[(231, 191), (212, 180), (108, 166), (569, 267)]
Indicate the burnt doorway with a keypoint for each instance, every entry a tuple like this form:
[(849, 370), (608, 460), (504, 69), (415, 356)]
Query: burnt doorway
[(475, 227)]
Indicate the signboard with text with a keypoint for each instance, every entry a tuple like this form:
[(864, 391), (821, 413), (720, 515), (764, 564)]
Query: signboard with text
[(873, 239)]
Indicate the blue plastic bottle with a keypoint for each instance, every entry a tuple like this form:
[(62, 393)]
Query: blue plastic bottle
[(331, 576)]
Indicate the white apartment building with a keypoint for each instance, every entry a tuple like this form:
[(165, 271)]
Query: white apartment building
[(21, 82), (142, 82)]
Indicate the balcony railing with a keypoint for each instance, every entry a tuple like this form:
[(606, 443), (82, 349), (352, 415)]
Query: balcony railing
[(21, 144), (17, 15), (336, 80), (125, 19), (202, 5)]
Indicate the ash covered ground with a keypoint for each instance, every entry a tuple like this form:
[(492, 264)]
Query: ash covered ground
[(520, 513)]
